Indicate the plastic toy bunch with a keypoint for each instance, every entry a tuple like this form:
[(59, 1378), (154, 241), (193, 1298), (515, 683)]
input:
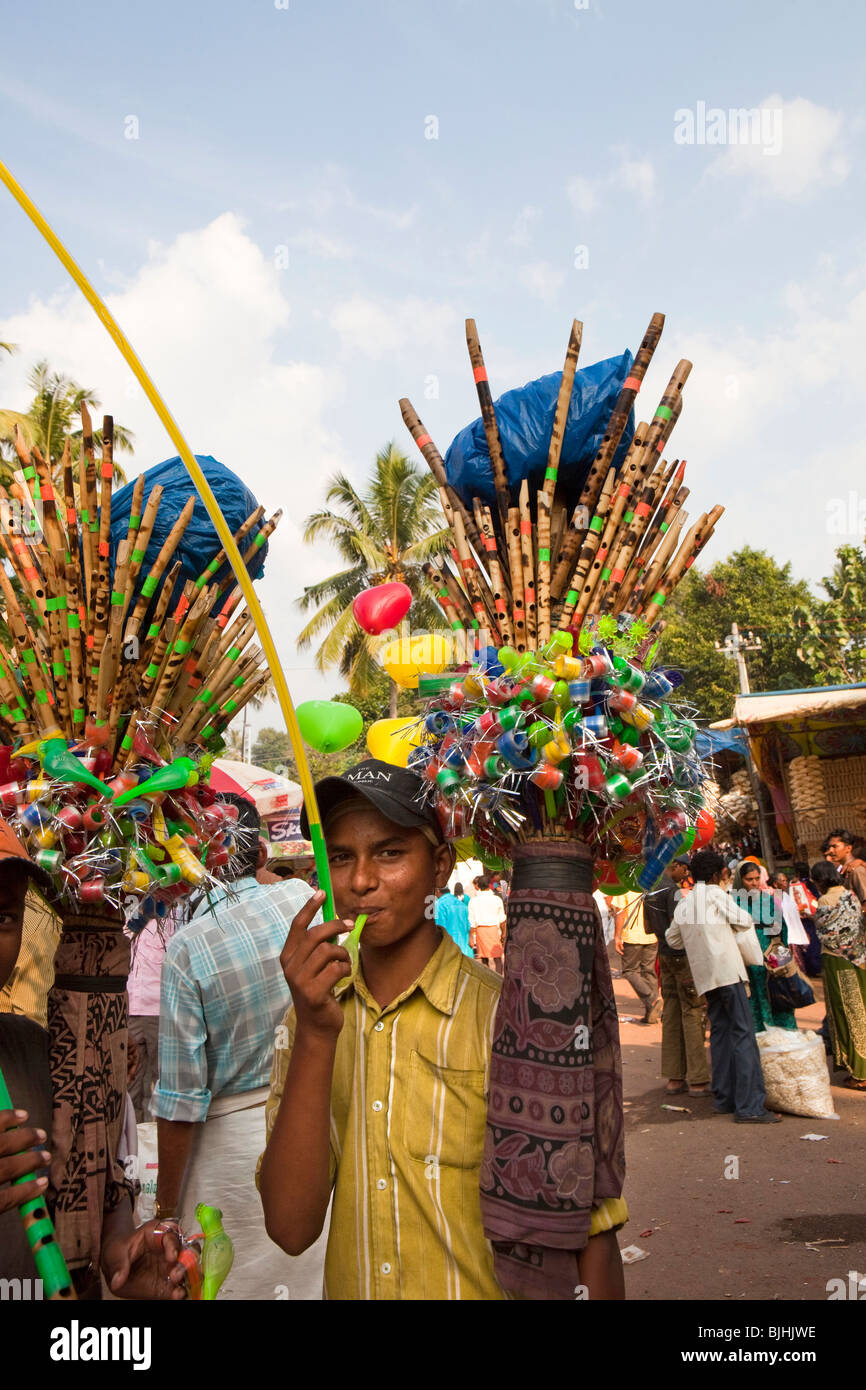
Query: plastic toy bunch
[(569, 743), (117, 681)]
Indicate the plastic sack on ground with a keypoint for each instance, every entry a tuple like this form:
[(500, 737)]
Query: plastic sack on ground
[(199, 542), (525, 419), (795, 1073)]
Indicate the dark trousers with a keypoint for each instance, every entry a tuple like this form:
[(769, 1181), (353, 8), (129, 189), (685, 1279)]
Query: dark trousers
[(684, 1056), (639, 969), (738, 1083)]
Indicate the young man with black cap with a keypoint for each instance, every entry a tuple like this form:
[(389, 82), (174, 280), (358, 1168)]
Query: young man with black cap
[(379, 1094), (137, 1263)]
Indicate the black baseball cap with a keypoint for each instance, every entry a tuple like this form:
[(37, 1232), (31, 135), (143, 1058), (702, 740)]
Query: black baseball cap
[(395, 791)]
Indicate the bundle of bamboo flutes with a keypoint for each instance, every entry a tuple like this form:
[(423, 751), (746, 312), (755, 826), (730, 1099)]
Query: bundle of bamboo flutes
[(105, 658), (525, 568)]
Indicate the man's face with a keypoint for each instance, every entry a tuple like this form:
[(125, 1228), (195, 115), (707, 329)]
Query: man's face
[(386, 870), (782, 882), (838, 851), (13, 890), (678, 872)]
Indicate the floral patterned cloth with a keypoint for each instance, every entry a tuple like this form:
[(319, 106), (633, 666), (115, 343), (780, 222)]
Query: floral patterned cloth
[(554, 1143)]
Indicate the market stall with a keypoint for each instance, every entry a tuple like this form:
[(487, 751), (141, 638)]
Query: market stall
[(809, 749)]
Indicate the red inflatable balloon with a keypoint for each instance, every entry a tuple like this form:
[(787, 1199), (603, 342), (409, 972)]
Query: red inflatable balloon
[(705, 827), (382, 607)]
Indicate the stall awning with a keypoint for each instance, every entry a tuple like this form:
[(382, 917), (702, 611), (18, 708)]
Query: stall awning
[(775, 706)]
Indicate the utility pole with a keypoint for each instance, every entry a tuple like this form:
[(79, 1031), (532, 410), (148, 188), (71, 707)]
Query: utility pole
[(736, 644)]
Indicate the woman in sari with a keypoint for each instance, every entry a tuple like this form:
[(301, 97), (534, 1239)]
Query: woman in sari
[(840, 926), (765, 911)]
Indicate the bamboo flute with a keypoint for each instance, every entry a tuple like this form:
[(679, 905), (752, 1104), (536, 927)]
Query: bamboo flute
[(646, 552), (152, 578), (515, 565), (626, 559), (620, 413), (140, 539), (543, 515), (649, 581), (74, 606), (621, 495), (560, 414), (661, 518), (501, 593), (527, 563), (89, 519), (476, 585), (634, 522), (180, 648), (491, 428), (28, 661), (146, 646), (436, 464), (671, 576), (258, 541), (588, 559), (102, 576), (242, 532)]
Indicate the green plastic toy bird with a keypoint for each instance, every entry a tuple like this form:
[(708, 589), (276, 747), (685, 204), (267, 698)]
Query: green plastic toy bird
[(352, 943), (217, 1254), (59, 763), (183, 772)]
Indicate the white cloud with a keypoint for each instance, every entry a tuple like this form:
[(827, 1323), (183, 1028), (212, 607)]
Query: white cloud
[(635, 177), (772, 423), (521, 232), (203, 313), (797, 149), (582, 194), (376, 328), (543, 279)]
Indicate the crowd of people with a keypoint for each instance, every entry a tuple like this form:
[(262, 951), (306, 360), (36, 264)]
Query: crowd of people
[(248, 1023), (676, 949)]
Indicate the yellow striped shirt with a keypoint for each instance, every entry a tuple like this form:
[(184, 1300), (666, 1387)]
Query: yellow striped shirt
[(408, 1115)]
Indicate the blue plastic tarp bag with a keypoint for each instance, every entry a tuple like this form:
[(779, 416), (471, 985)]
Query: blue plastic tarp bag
[(525, 420), (199, 542)]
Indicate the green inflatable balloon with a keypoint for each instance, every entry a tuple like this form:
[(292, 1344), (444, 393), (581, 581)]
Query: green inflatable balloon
[(328, 726)]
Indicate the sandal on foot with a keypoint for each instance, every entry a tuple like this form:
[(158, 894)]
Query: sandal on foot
[(678, 1090)]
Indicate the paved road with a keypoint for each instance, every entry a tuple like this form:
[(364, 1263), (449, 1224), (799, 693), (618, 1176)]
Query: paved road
[(731, 1238)]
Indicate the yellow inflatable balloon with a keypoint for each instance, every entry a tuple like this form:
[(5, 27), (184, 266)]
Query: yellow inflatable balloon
[(392, 740), (406, 658)]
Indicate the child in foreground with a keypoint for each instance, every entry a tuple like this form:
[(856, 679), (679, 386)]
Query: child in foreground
[(379, 1094)]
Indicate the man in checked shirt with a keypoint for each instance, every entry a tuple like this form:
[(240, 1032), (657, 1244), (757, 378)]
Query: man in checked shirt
[(379, 1095), (222, 996)]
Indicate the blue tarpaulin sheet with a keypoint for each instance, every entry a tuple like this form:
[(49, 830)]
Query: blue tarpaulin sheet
[(710, 741), (199, 542), (525, 419)]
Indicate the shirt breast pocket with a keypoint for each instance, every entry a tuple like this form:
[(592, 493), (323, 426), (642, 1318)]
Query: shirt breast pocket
[(444, 1115)]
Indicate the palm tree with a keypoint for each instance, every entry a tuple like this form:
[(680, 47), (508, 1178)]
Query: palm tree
[(384, 534), (53, 414)]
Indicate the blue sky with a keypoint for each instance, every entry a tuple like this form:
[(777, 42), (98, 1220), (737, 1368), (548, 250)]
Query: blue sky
[(265, 135)]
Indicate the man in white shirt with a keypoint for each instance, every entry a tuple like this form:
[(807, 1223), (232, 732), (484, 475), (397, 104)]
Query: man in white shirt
[(487, 925), (704, 924)]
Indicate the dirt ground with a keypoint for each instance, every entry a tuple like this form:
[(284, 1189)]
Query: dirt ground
[(755, 1236)]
